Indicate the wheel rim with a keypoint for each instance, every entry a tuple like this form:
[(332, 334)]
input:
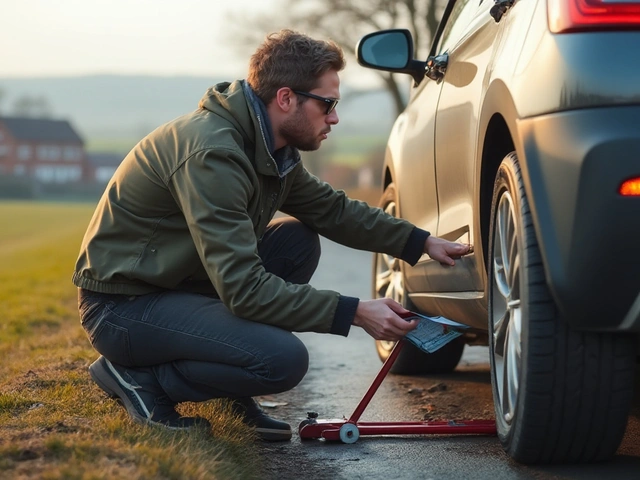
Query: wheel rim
[(506, 313), (388, 277)]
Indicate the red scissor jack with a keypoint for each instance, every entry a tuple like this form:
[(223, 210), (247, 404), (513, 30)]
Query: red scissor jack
[(348, 431)]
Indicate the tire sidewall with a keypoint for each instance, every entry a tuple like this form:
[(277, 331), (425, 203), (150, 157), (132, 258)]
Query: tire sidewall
[(509, 180), (388, 196)]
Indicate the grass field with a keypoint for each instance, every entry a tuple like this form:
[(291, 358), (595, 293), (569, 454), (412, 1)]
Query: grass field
[(119, 146), (354, 150), (54, 422)]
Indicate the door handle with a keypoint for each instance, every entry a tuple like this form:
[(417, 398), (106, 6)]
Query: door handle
[(436, 67), (500, 8)]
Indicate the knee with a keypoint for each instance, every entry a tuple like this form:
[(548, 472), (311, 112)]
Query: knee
[(307, 240), (312, 241), (293, 252), (289, 365)]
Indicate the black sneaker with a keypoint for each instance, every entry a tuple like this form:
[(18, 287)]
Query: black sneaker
[(142, 397), (266, 427)]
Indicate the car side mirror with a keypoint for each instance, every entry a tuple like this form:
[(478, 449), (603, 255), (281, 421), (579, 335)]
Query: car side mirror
[(385, 50), (390, 50)]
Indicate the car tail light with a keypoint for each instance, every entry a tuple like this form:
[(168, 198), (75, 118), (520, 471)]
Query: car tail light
[(630, 188), (578, 15)]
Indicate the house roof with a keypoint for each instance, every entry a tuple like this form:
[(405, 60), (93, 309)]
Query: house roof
[(40, 129)]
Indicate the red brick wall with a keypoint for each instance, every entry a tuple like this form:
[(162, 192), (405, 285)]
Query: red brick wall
[(7, 151), (55, 167)]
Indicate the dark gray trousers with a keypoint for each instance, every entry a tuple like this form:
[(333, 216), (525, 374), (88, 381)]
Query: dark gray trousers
[(196, 347)]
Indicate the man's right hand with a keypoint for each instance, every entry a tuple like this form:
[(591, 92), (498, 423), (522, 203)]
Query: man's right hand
[(379, 318)]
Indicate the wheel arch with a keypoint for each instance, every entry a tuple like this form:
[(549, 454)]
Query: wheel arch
[(497, 137), (497, 145), (387, 177), (388, 171)]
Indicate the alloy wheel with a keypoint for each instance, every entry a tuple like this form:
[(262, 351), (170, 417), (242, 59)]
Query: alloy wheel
[(506, 312)]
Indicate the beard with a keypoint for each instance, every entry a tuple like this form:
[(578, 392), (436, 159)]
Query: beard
[(298, 132)]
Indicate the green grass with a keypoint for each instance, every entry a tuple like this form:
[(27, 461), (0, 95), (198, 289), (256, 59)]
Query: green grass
[(54, 422), (355, 150), (115, 145), (358, 143)]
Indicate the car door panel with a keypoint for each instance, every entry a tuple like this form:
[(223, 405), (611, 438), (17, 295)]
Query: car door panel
[(455, 146), (415, 177)]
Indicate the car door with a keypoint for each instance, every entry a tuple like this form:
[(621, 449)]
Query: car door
[(468, 43), (415, 174), (419, 193), (414, 171)]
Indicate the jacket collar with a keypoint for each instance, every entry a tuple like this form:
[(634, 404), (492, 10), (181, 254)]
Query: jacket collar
[(240, 106), (287, 157)]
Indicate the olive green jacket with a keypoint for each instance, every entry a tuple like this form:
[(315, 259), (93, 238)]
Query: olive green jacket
[(186, 208)]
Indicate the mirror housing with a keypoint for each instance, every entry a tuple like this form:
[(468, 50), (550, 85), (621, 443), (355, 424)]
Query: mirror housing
[(391, 51)]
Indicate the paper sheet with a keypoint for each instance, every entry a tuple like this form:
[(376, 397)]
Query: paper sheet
[(433, 333)]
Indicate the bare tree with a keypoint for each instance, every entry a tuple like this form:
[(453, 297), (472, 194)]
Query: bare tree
[(28, 106), (345, 22)]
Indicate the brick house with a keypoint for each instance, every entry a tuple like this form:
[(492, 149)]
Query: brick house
[(48, 151), (102, 166)]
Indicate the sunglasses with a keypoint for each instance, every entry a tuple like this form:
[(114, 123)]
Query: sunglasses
[(331, 103)]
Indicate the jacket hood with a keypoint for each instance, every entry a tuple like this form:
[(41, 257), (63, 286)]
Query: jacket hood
[(227, 100), (238, 104)]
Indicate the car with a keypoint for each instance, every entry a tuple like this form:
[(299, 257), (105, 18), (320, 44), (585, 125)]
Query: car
[(521, 137)]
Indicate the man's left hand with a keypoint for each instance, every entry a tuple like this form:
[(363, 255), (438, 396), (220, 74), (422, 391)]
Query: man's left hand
[(445, 251)]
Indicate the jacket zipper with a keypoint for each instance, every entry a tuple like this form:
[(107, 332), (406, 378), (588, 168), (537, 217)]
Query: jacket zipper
[(274, 195)]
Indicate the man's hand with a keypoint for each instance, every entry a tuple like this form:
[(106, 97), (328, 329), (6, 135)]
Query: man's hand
[(445, 251), (379, 318)]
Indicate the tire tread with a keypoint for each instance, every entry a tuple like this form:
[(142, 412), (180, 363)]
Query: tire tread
[(579, 385)]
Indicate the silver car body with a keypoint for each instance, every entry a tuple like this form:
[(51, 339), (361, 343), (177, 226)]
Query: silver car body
[(517, 138), (570, 104)]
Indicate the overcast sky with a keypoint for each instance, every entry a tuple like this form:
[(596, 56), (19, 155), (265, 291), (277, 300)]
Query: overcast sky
[(165, 37)]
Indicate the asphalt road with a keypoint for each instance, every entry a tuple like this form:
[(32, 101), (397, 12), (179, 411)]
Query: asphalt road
[(341, 370)]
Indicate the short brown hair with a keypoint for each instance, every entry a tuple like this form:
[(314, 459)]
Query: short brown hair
[(291, 59)]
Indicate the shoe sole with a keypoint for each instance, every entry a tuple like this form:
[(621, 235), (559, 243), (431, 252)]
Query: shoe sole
[(273, 434)]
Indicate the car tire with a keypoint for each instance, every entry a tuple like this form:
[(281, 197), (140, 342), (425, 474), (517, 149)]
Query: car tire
[(560, 396), (388, 281)]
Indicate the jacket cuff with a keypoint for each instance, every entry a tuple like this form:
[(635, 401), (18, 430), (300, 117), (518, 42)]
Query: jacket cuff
[(414, 248), (345, 313)]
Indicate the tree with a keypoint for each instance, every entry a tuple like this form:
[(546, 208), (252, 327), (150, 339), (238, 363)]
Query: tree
[(28, 106), (345, 22)]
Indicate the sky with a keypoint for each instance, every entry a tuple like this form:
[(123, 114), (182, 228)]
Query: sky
[(157, 37)]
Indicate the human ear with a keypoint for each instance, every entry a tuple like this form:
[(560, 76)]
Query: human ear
[(284, 99)]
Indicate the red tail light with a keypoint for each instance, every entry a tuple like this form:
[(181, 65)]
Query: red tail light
[(578, 15), (630, 188)]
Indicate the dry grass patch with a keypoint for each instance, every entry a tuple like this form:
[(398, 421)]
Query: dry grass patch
[(55, 423)]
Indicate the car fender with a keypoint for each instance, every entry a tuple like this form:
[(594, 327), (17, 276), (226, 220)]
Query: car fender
[(491, 148), (394, 148)]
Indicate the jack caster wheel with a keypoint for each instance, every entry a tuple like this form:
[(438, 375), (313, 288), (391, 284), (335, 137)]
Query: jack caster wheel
[(306, 422), (349, 433)]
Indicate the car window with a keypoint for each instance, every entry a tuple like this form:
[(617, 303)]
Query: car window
[(462, 13)]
